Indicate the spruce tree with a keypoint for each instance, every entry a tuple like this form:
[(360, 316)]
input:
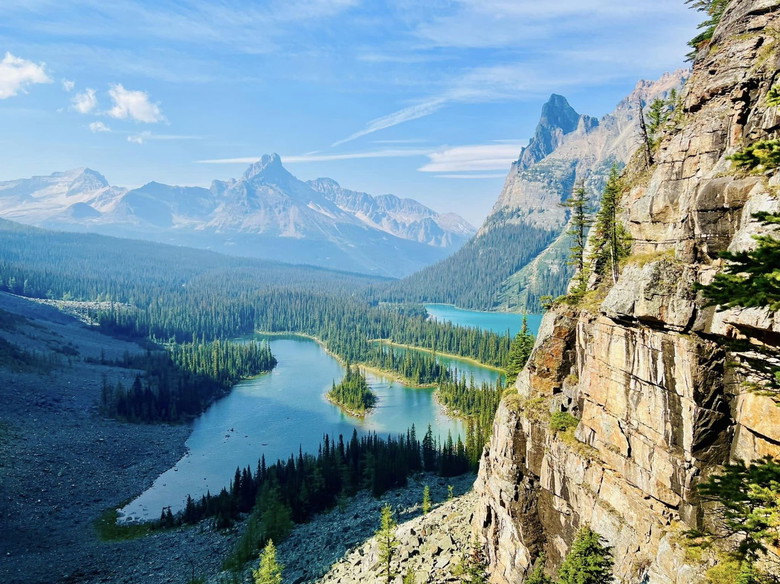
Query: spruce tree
[(269, 571), (388, 543), (610, 244), (588, 561), (519, 351), (579, 224), (426, 502), (473, 567), (537, 575)]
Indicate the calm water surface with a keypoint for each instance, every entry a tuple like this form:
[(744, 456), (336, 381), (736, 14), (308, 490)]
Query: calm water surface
[(498, 322), (274, 414)]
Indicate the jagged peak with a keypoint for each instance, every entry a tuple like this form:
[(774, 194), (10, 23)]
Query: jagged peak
[(558, 118), (324, 184), (558, 113), (268, 169)]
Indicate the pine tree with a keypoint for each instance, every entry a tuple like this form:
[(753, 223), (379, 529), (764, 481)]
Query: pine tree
[(388, 543), (611, 242), (269, 571), (749, 498), (588, 561), (410, 577), (519, 351), (537, 575), (426, 502), (473, 567), (579, 224), (644, 134), (714, 9)]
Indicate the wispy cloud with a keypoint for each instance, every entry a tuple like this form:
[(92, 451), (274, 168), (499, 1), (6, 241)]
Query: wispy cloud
[(513, 23), (500, 82), (147, 136), (407, 114), (480, 157), (134, 105), (16, 74), (302, 158), (68, 85), (85, 102), (99, 127), (252, 28)]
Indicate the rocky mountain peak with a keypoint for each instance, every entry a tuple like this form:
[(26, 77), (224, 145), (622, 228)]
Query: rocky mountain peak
[(86, 179), (268, 169), (324, 185), (558, 119)]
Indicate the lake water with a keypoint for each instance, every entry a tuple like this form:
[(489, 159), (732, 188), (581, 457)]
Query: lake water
[(273, 415), (276, 413), (498, 322)]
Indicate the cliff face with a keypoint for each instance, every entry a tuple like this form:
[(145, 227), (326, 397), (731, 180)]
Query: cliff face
[(645, 368)]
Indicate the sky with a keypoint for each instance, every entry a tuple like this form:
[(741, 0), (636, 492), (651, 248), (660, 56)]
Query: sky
[(427, 99)]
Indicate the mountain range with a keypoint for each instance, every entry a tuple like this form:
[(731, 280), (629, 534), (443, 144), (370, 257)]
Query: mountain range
[(266, 213)]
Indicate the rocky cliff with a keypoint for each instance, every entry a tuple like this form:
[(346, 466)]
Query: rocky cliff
[(642, 364)]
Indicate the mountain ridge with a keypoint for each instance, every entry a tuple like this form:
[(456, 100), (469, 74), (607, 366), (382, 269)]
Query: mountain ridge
[(267, 212)]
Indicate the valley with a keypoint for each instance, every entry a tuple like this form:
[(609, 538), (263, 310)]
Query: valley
[(274, 380)]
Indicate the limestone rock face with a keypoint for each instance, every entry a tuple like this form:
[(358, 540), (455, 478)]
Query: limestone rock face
[(644, 366)]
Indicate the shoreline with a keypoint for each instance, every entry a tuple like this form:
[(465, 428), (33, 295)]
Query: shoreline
[(469, 360), (389, 375), (349, 412)]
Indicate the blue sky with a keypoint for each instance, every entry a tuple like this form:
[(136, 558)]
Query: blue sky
[(430, 100)]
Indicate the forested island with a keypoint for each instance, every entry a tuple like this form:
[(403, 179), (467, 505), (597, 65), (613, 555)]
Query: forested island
[(352, 393)]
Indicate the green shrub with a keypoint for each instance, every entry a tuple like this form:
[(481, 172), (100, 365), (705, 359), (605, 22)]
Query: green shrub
[(562, 421)]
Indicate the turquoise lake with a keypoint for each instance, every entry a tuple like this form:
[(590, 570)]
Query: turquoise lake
[(276, 413), (498, 322)]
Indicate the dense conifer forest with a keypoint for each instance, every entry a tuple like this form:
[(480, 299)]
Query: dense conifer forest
[(182, 380), (472, 277)]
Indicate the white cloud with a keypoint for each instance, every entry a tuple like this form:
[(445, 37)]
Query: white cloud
[(68, 85), (98, 127), (16, 74), (480, 157), (134, 105), (389, 153), (85, 102)]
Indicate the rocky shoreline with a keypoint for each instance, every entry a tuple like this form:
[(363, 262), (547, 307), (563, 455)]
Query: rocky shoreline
[(62, 465)]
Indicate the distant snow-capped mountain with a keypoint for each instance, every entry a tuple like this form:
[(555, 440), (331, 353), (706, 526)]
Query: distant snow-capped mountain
[(267, 213)]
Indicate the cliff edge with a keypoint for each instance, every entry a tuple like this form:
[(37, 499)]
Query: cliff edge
[(643, 365)]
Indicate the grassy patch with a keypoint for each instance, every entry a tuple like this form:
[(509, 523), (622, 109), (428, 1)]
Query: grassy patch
[(109, 530), (562, 421), (648, 257)]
